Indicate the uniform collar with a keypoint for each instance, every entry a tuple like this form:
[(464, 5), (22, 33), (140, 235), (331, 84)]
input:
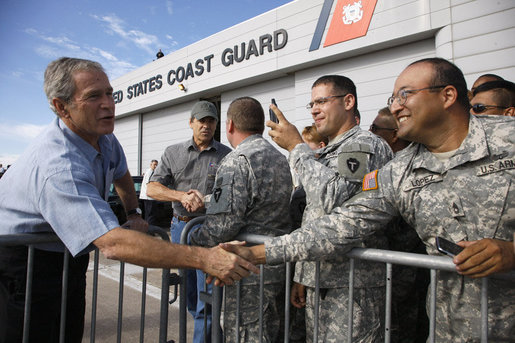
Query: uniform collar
[(338, 140), (474, 147), (249, 140)]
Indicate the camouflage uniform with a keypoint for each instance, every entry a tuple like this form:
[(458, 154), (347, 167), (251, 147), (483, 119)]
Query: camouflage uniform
[(330, 178), (468, 197), (251, 195), (409, 321)]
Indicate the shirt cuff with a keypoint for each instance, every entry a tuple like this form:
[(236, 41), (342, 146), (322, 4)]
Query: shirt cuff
[(275, 251)]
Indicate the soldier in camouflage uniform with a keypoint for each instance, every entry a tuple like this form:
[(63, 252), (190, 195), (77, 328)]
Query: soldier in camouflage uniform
[(456, 182), (330, 178), (251, 195), (409, 322)]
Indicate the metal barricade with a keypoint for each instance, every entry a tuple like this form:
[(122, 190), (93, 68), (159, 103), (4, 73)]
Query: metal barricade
[(167, 279), (433, 263)]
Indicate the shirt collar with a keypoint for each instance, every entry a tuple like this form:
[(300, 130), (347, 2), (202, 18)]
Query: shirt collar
[(342, 136), (249, 139), (87, 149), (474, 147), (194, 146)]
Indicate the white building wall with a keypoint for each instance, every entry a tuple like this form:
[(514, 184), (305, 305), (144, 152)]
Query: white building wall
[(164, 127), (477, 35), (127, 131), (374, 75), (483, 38), (282, 90)]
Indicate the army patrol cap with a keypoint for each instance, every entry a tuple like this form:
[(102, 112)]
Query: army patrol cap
[(204, 109)]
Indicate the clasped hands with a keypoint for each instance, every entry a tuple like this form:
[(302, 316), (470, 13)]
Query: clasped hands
[(192, 200), (249, 254)]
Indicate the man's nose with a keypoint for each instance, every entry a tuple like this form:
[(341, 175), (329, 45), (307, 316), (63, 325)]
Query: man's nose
[(395, 107)]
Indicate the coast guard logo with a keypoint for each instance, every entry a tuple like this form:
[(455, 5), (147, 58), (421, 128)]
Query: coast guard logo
[(352, 13), (350, 20)]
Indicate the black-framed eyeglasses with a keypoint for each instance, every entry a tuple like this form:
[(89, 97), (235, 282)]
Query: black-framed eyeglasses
[(321, 101), (374, 128), (402, 95), (480, 108)]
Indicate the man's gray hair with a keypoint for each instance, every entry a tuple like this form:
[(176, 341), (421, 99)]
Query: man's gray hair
[(59, 81)]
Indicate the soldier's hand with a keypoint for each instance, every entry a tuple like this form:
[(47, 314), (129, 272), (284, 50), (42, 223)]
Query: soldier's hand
[(485, 257), (137, 223), (255, 254), (284, 133), (226, 267), (298, 295), (192, 200)]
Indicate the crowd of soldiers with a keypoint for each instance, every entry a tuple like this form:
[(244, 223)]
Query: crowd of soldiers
[(438, 161)]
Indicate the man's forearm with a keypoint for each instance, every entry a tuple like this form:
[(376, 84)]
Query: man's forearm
[(140, 249), (160, 192), (258, 254), (125, 189)]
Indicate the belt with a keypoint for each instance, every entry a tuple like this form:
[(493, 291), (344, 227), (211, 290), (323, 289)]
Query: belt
[(183, 218)]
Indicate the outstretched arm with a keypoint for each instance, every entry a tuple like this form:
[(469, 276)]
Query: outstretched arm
[(140, 249), (191, 200)]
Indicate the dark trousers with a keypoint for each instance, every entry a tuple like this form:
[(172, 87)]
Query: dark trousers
[(150, 211), (45, 312)]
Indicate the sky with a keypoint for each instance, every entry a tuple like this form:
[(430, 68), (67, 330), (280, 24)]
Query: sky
[(121, 35)]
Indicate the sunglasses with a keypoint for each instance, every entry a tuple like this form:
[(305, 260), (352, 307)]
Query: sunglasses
[(374, 128), (480, 108)]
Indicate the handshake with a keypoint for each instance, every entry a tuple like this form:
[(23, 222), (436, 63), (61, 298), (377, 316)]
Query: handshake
[(232, 261)]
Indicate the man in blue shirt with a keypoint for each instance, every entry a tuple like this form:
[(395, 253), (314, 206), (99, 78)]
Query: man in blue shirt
[(60, 185)]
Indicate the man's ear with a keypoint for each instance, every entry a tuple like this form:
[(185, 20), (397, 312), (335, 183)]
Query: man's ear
[(61, 107), (510, 111), (230, 126), (450, 95), (349, 100)]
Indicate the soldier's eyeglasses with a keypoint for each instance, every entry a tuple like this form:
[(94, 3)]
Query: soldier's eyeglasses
[(480, 108), (374, 128), (321, 101), (402, 95)]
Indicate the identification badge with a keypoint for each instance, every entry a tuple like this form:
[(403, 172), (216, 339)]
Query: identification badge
[(496, 166), (419, 181)]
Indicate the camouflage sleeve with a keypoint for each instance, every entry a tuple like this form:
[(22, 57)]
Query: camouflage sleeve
[(336, 233), (225, 214), (324, 186)]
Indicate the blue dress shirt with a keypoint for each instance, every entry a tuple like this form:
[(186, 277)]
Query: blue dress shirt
[(60, 183)]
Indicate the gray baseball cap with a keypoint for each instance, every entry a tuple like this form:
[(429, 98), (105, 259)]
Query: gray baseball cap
[(204, 109)]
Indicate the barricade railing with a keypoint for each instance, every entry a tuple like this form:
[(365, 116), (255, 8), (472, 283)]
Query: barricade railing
[(167, 280), (390, 258)]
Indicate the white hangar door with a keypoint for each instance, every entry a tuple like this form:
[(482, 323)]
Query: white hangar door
[(373, 73), (127, 131), (162, 128)]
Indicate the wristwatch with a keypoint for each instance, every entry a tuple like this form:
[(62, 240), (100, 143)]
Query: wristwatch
[(136, 210)]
